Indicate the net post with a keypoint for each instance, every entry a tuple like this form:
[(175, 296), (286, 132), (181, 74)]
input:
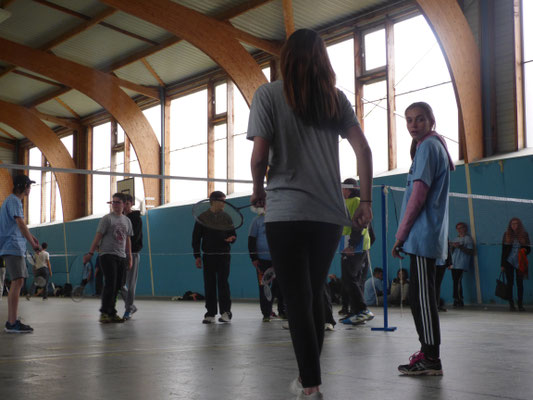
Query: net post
[(150, 252), (66, 251), (384, 224)]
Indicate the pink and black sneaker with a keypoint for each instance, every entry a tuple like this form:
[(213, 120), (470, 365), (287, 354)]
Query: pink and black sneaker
[(419, 364)]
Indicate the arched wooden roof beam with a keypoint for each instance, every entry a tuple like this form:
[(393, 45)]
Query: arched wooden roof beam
[(462, 55), (218, 40), (105, 90), (27, 123)]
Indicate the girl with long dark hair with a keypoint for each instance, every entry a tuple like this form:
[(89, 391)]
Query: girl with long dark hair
[(295, 124)]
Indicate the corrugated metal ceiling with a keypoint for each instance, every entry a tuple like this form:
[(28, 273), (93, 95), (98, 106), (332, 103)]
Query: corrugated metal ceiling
[(34, 24)]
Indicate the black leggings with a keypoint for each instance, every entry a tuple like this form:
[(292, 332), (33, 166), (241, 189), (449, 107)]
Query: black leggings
[(302, 252), (510, 271)]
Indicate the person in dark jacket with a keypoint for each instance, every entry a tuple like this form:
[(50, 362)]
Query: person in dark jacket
[(514, 240), (130, 277), (215, 246)]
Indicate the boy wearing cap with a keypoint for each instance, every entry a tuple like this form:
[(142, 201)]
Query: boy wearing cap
[(13, 235)]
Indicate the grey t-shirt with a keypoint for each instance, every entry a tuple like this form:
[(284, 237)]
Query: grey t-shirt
[(115, 229), (304, 181)]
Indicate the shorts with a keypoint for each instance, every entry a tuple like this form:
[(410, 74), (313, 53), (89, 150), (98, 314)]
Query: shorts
[(16, 267)]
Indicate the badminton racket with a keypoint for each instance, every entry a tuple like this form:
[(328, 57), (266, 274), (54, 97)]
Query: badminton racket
[(218, 214)]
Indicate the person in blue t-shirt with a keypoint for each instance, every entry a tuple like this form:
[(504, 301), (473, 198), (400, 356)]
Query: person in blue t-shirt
[(423, 233), (462, 250), (13, 236)]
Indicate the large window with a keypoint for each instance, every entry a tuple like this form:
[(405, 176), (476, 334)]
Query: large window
[(101, 162), (188, 146), (527, 34), (44, 202), (421, 74)]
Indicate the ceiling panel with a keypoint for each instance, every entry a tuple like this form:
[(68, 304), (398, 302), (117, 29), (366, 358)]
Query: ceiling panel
[(98, 47), (33, 24), (137, 73), (179, 62), (19, 89)]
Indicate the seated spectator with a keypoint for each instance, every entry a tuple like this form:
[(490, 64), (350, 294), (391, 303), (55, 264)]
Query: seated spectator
[(374, 288), (399, 291)]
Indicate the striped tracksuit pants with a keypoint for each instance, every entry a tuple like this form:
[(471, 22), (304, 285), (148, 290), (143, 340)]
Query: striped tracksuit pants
[(422, 298)]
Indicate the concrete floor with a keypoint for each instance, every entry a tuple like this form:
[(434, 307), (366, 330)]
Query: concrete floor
[(166, 353)]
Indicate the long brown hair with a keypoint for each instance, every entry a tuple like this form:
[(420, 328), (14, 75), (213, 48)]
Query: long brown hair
[(309, 80), (520, 234)]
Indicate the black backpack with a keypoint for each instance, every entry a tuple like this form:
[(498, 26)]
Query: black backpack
[(67, 290)]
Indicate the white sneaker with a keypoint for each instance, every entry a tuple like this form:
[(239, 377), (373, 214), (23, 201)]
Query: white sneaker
[(224, 318), (367, 314), (329, 327), (208, 320), (296, 387), (314, 396)]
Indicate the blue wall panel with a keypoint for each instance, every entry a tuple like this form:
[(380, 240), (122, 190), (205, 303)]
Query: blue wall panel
[(170, 229)]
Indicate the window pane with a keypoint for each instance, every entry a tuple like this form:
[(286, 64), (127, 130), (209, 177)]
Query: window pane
[(119, 164), (418, 67), (527, 27), (188, 146), (527, 35), (101, 162), (59, 205), (221, 158), (189, 162), (375, 121), (34, 199), (68, 143), (375, 49), (120, 134), (241, 113), (266, 72), (46, 195), (153, 115), (135, 169), (221, 101), (341, 56), (528, 86), (243, 153)]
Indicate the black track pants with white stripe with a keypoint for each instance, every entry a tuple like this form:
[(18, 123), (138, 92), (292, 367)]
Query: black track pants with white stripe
[(422, 297)]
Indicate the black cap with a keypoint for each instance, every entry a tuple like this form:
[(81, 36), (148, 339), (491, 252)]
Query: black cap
[(22, 181)]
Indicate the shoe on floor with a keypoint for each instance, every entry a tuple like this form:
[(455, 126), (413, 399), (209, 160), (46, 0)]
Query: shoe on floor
[(133, 309), (127, 316), (520, 308), (266, 319), (367, 315), (208, 320), (343, 311), (420, 365), (116, 319), (296, 387), (225, 317), (104, 318), (17, 327), (282, 315), (314, 396), (329, 327)]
